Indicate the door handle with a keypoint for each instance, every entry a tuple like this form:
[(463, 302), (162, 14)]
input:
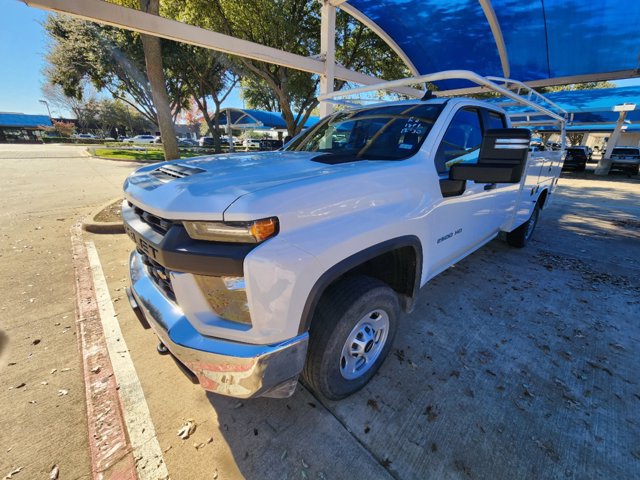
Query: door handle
[(490, 186)]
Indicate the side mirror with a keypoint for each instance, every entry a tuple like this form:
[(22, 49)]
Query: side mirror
[(503, 156)]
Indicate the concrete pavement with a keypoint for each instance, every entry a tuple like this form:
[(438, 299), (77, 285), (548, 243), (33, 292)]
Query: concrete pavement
[(43, 191), (515, 364)]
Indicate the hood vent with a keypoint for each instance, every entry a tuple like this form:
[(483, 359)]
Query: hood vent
[(171, 172)]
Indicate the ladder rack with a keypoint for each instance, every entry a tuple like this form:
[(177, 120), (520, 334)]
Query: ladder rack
[(534, 108)]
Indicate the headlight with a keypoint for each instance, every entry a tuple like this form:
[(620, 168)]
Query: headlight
[(240, 232), (226, 296)]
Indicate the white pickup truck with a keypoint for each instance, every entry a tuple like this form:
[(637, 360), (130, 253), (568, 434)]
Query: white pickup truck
[(256, 268)]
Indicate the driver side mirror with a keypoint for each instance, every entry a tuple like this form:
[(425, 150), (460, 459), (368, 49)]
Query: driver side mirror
[(503, 156)]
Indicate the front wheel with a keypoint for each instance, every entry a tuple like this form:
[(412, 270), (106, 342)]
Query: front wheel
[(521, 235), (351, 334)]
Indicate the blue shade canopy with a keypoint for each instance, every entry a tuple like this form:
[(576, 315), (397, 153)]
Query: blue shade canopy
[(596, 105), (543, 39), (258, 119), (22, 120)]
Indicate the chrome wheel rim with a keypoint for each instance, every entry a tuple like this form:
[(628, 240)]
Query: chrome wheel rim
[(364, 344)]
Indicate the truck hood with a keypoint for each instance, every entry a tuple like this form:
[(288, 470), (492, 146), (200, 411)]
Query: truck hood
[(202, 188)]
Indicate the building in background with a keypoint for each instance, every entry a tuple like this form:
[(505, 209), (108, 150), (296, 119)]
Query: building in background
[(22, 128)]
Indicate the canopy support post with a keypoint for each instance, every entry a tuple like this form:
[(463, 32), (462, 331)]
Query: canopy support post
[(604, 165), (327, 53), (585, 139), (229, 132)]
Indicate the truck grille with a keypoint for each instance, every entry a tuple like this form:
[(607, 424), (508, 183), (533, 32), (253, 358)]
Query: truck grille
[(159, 275), (158, 224)]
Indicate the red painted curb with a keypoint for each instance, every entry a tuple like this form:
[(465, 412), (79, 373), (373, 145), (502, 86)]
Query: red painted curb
[(111, 453)]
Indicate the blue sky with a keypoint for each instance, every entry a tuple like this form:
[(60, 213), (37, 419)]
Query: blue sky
[(22, 50), (23, 45)]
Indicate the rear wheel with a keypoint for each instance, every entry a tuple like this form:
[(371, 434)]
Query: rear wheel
[(521, 235), (351, 334)]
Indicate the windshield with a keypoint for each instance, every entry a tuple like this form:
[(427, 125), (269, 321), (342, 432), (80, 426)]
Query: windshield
[(391, 132)]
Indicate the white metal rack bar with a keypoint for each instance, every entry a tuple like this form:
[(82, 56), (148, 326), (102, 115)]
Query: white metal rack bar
[(527, 100)]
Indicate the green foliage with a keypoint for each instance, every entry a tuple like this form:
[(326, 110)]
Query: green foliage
[(292, 26), (576, 86), (109, 58), (64, 129)]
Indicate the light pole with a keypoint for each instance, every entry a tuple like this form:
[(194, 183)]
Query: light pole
[(47, 105)]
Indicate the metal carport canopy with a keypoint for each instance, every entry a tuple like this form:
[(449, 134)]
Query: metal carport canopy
[(258, 119), (541, 42), (594, 105)]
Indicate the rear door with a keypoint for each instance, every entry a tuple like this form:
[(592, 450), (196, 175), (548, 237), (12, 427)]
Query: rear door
[(505, 194)]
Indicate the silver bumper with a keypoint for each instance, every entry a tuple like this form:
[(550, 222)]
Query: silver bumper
[(221, 366)]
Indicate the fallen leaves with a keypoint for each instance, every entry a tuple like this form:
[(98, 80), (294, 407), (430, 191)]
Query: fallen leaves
[(62, 392), (12, 473), (55, 471), (373, 404), (187, 429)]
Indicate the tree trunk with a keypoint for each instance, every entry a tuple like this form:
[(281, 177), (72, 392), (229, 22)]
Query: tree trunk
[(216, 126), (153, 60)]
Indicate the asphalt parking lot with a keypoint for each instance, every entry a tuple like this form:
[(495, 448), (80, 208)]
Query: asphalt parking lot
[(515, 363)]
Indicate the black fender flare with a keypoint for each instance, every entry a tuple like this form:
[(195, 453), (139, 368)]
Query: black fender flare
[(349, 263)]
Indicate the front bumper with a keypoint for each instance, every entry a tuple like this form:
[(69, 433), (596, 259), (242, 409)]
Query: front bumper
[(221, 366)]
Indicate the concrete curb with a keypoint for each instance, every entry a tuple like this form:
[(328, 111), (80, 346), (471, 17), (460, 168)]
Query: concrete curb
[(90, 225)]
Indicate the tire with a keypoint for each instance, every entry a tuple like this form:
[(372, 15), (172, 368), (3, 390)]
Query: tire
[(521, 235), (359, 308)]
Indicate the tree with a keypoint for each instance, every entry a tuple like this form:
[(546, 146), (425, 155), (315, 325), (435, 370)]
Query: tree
[(576, 86), (115, 114), (293, 26), (64, 129), (76, 106), (153, 60), (207, 77), (110, 59)]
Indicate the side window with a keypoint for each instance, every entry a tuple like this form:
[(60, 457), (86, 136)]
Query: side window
[(495, 120), (461, 141)]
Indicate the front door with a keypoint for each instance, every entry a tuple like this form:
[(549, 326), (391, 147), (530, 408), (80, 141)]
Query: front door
[(463, 222)]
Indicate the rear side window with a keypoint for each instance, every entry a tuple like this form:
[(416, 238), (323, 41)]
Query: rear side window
[(626, 151), (461, 141), (495, 120)]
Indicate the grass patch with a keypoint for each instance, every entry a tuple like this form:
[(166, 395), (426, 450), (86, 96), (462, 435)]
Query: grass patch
[(151, 154), (147, 155)]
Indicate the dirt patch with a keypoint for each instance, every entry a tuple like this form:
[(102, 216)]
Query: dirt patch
[(112, 213), (551, 261)]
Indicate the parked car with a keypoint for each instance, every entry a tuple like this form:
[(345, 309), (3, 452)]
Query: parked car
[(209, 141), (576, 159), (590, 154), (87, 136), (538, 147), (252, 273), (187, 142), (268, 144), (141, 139), (251, 143), (626, 159)]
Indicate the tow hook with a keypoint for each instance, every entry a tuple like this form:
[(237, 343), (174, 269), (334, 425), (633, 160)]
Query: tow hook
[(162, 349)]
